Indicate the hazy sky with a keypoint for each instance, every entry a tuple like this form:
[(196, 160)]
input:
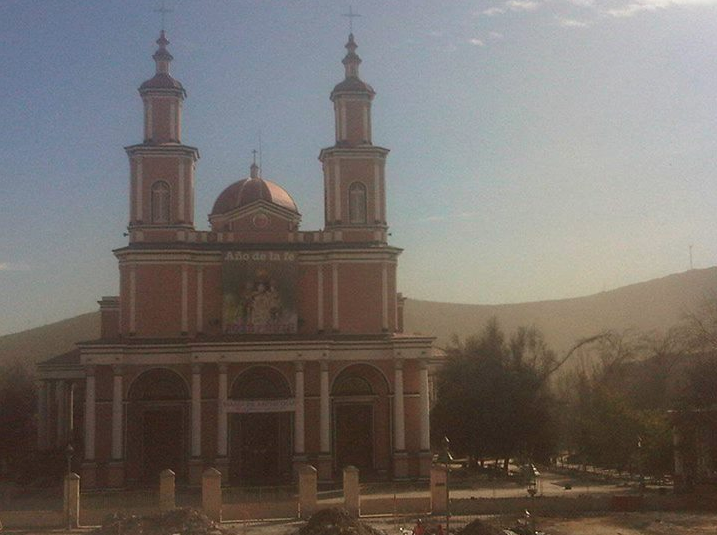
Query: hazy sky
[(540, 149)]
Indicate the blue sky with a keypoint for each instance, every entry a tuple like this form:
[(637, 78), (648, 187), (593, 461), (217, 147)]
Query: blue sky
[(540, 149)]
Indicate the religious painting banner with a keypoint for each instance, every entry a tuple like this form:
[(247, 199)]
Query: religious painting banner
[(259, 292), (260, 405)]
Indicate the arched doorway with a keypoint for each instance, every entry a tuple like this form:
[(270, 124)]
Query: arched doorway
[(361, 420), (157, 426), (261, 439)]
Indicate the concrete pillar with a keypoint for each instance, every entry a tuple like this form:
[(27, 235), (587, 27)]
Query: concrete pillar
[(299, 410), (222, 412), (167, 500), (72, 500), (424, 400), (61, 403), (90, 414), (196, 410), (222, 461), (399, 428), (439, 490), (307, 491), (115, 468), (324, 410), (71, 411), (195, 462), (352, 495), (42, 415), (117, 413), (424, 407), (324, 464), (212, 493), (400, 457)]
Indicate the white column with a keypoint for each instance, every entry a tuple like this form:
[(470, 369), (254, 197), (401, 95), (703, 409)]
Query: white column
[(70, 411), (132, 299), (185, 300), (324, 431), (337, 190), (335, 296), (299, 409), (200, 299), (138, 182), (384, 296), (222, 417), (90, 414), (320, 296), (399, 427), (42, 416), (117, 413), (180, 192), (424, 403), (60, 441), (196, 410)]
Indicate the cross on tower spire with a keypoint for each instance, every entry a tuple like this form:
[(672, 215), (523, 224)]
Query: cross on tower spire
[(351, 16), (163, 10)]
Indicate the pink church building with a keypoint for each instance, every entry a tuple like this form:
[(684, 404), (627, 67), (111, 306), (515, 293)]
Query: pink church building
[(254, 346)]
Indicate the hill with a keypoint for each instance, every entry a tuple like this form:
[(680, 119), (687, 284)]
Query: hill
[(654, 305), (41, 343)]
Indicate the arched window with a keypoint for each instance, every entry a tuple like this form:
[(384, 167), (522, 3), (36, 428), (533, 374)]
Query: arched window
[(352, 385), (160, 202), (357, 203)]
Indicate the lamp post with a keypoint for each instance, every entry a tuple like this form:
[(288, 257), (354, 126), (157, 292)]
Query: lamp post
[(639, 465), (446, 457), (69, 451), (532, 475)]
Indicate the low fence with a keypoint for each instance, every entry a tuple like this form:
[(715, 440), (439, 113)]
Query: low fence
[(303, 500)]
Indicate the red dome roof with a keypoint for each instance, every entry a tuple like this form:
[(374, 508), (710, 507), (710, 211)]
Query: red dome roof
[(249, 190)]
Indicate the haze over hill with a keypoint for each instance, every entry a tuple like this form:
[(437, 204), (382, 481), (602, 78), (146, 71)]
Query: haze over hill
[(654, 305)]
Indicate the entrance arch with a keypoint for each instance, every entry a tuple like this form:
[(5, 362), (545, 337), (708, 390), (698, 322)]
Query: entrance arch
[(361, 419), (157, 425), (260, 441)]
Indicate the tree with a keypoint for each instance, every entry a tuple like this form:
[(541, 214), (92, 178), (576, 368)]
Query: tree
[(493, 399), (17, 421)]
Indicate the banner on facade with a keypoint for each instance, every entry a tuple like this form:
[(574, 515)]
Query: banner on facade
[(259, 292), (260, 405)]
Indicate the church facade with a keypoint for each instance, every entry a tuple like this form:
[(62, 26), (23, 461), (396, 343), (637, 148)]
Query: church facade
[(254, 346)]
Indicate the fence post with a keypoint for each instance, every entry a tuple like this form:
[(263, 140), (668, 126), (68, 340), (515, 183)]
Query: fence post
[(167, 500), (72, 500), (352, 499), (212, 493), (307, 491), (439, 496)]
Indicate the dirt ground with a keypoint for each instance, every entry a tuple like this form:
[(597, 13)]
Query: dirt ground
[(653, 523), (632, 524)]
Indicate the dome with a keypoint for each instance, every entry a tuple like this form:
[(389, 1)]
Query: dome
[(249, 190)]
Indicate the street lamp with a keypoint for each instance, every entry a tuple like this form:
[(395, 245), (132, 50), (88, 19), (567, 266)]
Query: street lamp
[(446, 458), (532, 475), (69, 452)]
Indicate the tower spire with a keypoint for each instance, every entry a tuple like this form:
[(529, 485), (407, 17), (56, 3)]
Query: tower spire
[(352, 60), (162, 57)]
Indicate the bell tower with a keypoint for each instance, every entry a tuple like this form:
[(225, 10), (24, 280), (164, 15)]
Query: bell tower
[(354, 185), (161, 167)]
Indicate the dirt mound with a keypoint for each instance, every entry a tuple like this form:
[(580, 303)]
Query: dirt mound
[(336, 521), (177, 521), (479, 527)]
